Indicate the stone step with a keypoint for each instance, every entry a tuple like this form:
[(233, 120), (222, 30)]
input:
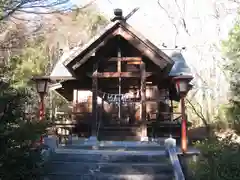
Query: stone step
[(72, 155), (106, 176), (109, 167), (131, 143), (133, 131), (119, 133), (116, 137), (105, 160), (116, 148)]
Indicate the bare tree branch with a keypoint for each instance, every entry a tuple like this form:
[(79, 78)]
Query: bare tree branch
[(235, 1), (171, 20), (182, 18), (10, 12), (199, 114), (193, 95), (10, 7), (19, 18)]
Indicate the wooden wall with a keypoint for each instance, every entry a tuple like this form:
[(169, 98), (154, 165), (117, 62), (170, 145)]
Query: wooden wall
[(82, 105)]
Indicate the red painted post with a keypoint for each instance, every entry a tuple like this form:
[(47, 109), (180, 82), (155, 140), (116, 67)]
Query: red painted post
[(41, 107), (183, 123), (41, 112), (183, 127)]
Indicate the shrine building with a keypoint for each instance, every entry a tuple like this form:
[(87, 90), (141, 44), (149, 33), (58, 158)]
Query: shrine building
[(121, 85)]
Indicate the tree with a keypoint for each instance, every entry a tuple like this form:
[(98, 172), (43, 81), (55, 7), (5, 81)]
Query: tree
[(231, 49), (9, 7), (18, 158), (203, 48), (36, 52), (33, 53)]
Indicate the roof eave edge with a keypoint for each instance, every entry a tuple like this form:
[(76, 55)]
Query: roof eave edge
[(91, 41)]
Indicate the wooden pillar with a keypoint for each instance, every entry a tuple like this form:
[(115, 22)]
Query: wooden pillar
[(94, 101), (101, 114), (143, 114), (119, 70)]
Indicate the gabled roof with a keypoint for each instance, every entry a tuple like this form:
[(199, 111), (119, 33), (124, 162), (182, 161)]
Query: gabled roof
[(80, 49), (59, 69), (127, 32)]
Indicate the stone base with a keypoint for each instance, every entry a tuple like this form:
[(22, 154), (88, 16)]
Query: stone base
[(92, 140), (144, 139), (170, 142), (51, 142)]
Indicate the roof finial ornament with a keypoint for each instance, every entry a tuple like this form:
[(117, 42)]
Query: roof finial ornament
[(118, 15)]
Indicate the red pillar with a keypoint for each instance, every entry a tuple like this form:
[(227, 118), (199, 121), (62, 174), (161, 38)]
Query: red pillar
[(41, 112), (183, 127), (41, 108), (183, 123)]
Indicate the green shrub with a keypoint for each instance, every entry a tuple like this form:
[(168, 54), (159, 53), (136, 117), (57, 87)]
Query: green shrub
[(19, 159), (219, 160)]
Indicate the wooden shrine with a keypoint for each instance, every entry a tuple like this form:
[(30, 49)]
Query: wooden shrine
[(120, 85)]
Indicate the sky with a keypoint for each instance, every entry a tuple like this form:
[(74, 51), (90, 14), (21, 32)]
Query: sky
[(156, 23), (107, 6), (148, 14)]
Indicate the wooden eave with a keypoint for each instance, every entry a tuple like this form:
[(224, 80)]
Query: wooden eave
[(96, 40), (61, 78), (81, 55), (160, 55)]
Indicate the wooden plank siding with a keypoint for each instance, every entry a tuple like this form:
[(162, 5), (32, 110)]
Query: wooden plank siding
[(118, 74)]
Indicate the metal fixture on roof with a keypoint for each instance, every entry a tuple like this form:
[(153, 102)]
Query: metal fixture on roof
[(119, 14), (131, 13), (175, 48), (60, 52)]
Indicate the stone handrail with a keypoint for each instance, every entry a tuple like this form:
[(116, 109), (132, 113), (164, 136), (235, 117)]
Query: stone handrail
[(170, 145)]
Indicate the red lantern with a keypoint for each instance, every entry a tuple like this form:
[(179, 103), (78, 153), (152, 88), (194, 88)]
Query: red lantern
[(42, 88)]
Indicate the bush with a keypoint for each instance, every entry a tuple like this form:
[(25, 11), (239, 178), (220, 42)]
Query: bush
[(219, 160), (19, 159)]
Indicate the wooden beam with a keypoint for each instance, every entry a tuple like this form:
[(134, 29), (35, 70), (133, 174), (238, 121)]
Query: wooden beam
[(148, 44), (143, 112), (94, 102), (77, 63), (144, 48), (143, 91), (114, 86), (126, 59), (118, 74), (134, 62)]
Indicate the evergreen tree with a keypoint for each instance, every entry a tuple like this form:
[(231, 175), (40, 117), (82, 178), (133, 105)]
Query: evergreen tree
[(231, 48), (19, 159)]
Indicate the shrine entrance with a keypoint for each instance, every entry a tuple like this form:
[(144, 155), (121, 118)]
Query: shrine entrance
[(119, 77), (120, 85)]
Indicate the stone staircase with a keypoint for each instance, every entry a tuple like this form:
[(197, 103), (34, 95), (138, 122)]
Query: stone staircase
[(120, 133), (133, 132), (109, 161)]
